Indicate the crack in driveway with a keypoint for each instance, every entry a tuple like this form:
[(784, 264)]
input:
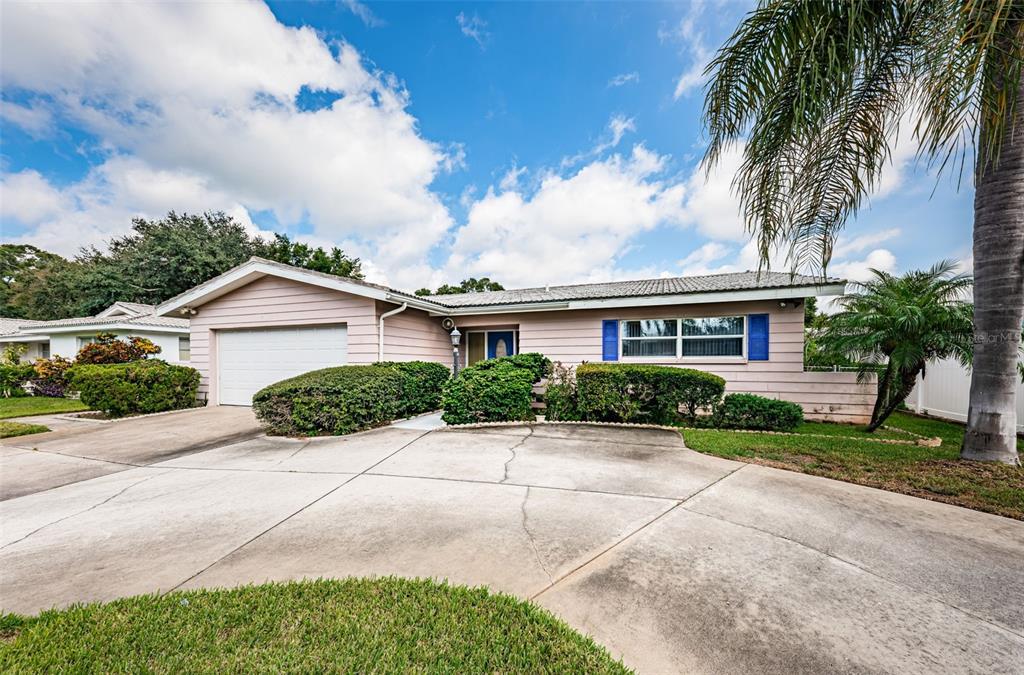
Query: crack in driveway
[(513, 450), (529, 536), (83, 511)]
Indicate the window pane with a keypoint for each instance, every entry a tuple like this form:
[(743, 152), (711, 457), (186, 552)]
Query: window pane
[(713, 347), (184, 349), (724, 325), (476, 347), (649, 328), (649, 347)]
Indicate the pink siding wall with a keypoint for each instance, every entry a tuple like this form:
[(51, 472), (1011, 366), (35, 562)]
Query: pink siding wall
[(272, 301), (575, 336), (567, 336), (414, 335)]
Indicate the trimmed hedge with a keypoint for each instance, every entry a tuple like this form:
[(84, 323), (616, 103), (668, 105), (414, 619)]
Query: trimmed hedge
[(496, 392), (749, 411), (422, 383), (334, 401), (537, 364), (138, 387), (608, 392), (13, 379), (345, 399)]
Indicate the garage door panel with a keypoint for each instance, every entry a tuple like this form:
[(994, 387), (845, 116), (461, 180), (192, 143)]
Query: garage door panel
[(250, 359)]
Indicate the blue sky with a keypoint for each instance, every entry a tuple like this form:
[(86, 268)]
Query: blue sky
[(533, 143)]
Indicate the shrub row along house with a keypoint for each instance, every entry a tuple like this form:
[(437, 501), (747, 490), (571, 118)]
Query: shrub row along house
[(263, 321)]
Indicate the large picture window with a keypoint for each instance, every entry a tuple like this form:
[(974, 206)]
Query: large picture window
[(650, 337), (683, 338)]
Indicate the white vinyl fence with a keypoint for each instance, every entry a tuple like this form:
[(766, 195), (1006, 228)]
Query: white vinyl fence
[(945, 390)]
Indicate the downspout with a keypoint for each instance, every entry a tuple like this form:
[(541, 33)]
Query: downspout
[(380, 329)]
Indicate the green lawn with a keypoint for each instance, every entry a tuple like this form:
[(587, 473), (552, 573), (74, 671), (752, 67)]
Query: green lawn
[(22, 406), (932, 473), (8, 429), (351, 625)]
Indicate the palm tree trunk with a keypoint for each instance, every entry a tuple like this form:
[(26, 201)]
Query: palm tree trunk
[(998, 297)]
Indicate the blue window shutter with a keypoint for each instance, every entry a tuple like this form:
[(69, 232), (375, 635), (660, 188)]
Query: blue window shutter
[(610, 340), (757, 337)]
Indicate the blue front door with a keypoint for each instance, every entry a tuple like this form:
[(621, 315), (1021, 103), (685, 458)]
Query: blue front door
[(500, 343)]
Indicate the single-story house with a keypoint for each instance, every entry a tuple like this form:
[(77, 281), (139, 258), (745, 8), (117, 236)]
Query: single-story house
[(64, 337), (263, 321)]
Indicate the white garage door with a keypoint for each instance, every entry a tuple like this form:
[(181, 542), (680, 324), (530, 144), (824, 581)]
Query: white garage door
[(248, 360)]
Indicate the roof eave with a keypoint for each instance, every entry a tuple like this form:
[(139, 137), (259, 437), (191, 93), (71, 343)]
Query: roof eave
[(748, 295), (103, 327)]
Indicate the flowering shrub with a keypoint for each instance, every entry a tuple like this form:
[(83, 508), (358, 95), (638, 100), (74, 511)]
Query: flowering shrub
[(108, 348), (50, 376)]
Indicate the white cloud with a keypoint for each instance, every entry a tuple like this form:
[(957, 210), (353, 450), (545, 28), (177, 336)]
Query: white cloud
[(624, 78), (686, 33), (364, 13), (102, 204), (711, 206), (700, 260), (473, 27), (618, 126), (846, 246), (571, 228), (200, 99), (860, 270), (35, 119)]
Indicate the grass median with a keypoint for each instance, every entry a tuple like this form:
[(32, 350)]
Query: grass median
[(349, 625)]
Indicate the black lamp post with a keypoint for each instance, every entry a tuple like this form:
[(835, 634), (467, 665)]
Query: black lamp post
[(456, 335)]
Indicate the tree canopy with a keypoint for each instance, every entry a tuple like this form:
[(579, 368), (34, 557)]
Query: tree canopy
[(470, 285), (157, 260)]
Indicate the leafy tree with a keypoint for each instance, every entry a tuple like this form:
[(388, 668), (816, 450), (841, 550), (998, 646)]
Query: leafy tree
[(470, 285), (156, 261), (284, 250), (51, 290), (817, 91), (894, 325), (19, 264)]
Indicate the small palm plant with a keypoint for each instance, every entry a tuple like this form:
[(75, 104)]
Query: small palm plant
[(894, 325)]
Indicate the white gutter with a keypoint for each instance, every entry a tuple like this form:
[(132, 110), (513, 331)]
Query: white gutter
[(380, 329)]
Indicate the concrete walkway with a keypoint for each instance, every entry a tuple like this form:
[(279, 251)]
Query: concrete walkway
[(676, 561)]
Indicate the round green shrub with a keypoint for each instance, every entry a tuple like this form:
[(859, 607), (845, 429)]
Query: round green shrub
[(491, 391), (749, 411), (422, 383), (333, 401), (537, 364), (615, 392), (138, 387)]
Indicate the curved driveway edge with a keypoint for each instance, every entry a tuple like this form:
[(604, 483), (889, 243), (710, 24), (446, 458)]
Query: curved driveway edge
[(677, 561)]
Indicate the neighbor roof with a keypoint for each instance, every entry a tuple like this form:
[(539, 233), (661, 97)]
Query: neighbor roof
[(144, 317), (13, 326), (710, 283)]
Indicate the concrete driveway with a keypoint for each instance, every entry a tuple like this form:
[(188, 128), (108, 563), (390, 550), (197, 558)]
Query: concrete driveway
[(79, 451), (676, 561)]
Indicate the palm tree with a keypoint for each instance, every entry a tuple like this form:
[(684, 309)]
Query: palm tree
[(816, 92), (894, 325)]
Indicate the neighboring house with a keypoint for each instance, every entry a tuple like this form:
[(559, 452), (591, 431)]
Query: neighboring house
[(64, 337), (264, 321)]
